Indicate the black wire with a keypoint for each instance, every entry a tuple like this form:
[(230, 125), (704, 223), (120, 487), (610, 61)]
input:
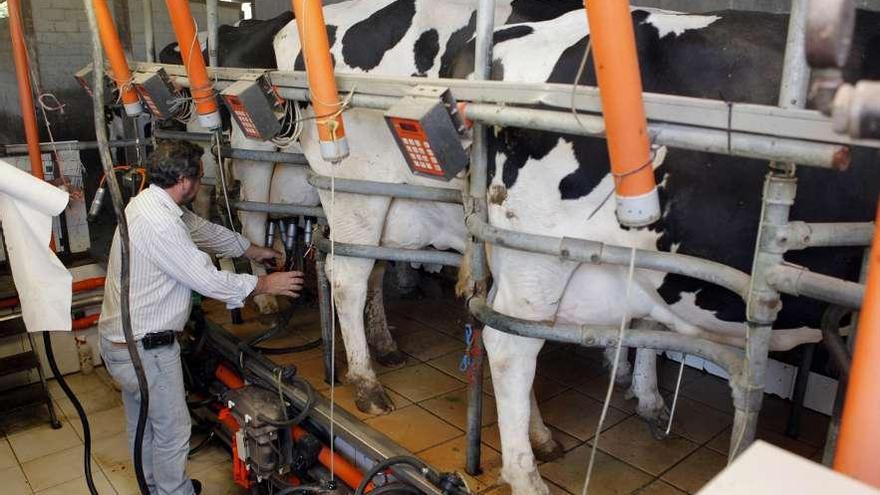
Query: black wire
[(284, 321), (87, 432), (204, 443), (387, 463)]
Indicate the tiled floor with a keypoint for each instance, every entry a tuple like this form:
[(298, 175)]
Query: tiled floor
[(429, 393)]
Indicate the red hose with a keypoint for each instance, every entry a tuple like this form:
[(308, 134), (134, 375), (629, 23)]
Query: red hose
[(78, 286)]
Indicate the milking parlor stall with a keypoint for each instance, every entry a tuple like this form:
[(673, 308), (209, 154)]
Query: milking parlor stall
[(439, 247)]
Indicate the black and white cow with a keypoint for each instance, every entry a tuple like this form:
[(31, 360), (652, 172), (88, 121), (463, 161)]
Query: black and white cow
[(557, 185)]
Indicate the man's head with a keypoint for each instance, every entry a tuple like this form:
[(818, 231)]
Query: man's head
[(176, 166)]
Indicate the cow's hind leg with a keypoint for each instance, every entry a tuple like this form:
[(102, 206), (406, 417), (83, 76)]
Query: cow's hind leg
[(378, 336), (651, 408)]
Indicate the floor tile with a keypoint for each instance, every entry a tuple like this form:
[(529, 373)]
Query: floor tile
[(453, 407), (114, 457), (78, 486), (427, 344), (696, 470), (211, 456), (712, 391), (545, 388), (504, 489), (13, 481), (597, 388), (721, 443), (668, 375), (43, 440), (95, 401), (414, 428), (491, 436), (567, 367), (449, 364), (54, 469), (578, 415), (345, 397), (450, 456), (217, 480), (82, 383), (103, 424), (610, 476), (660, 487), (447, 316), (311, 369), (696, 421), (7, 457), (632, 442), (420, 382), (27, 418)]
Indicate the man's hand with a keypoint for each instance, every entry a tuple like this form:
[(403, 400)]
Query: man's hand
[(280, 284), (264, 255)]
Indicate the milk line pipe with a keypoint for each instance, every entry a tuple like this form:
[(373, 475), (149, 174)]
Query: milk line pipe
[(315, 46), (279, 209), (616, 62), (149, 43), (427, 256), (213, 38), (25, 93), (116, 55), (402, 191), (677, 135), (19, 149), (201, 88)]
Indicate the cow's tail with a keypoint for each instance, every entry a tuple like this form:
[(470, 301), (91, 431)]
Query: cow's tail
[(463, 286)]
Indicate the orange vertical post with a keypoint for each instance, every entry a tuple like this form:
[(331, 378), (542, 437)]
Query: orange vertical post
[(25, 94), (191, 53), (620, 86), (858, 444), (116, 55), (312, 30)]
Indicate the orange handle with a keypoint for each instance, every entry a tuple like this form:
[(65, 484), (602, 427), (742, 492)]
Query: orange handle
[(82, 285), (85, 322), (191, 53), (309, 16), (344, 470), (620, 87), (25, 95), (858, 445), (115, 53)]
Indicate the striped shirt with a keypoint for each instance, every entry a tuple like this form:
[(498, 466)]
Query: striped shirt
[(167, 263)]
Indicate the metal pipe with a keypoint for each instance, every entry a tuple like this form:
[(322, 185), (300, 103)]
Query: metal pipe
[(795, 69), (799, 281), (598, 336), (23, 80), (211, 10), (365, 439), (720, 141), (264, 156), (116, 55), (858, 452), (325, 307), (402, 191), (279, 208), (184, 135), (427, 256), (20, 149), (191, 54), (616, 62), (315, 45), (476, 199), (80, 302), (802, 235), (585, 251), (149, 43)]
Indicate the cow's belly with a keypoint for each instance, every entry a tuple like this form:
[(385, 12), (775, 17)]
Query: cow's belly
[(417, 224), (597, 295)]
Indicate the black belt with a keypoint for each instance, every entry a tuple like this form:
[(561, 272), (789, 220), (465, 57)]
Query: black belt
[(158, 339)]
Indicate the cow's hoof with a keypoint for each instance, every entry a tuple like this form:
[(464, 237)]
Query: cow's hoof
[(372, 399), (657, 421), (548, 451), (267, 305), (393, 359)]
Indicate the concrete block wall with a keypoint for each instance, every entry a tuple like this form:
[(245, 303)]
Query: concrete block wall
[(63, 46)]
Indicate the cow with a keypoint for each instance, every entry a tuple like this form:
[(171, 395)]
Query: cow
[(558, 185)]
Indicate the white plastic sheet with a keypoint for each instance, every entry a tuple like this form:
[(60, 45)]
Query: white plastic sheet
[(27, 205)]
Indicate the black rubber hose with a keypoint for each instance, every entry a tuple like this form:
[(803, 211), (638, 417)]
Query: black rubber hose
[(387, 463), (302, 489), (87, 432), (284, 321), (303, 414), (125, 248)]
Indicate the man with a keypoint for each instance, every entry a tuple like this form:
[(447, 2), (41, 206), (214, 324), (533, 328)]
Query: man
[(167, 263)]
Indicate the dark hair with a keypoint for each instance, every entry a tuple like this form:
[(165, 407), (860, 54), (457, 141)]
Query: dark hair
[(172, 161)]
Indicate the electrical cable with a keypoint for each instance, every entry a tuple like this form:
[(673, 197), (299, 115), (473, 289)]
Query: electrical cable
[(396, 489), (415, 462), (303, 414), (125, 248), (87, 432)]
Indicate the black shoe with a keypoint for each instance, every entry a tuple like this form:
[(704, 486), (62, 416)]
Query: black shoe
[(197, 486)]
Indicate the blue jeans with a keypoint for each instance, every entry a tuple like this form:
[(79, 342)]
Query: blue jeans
[(167, 432)]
